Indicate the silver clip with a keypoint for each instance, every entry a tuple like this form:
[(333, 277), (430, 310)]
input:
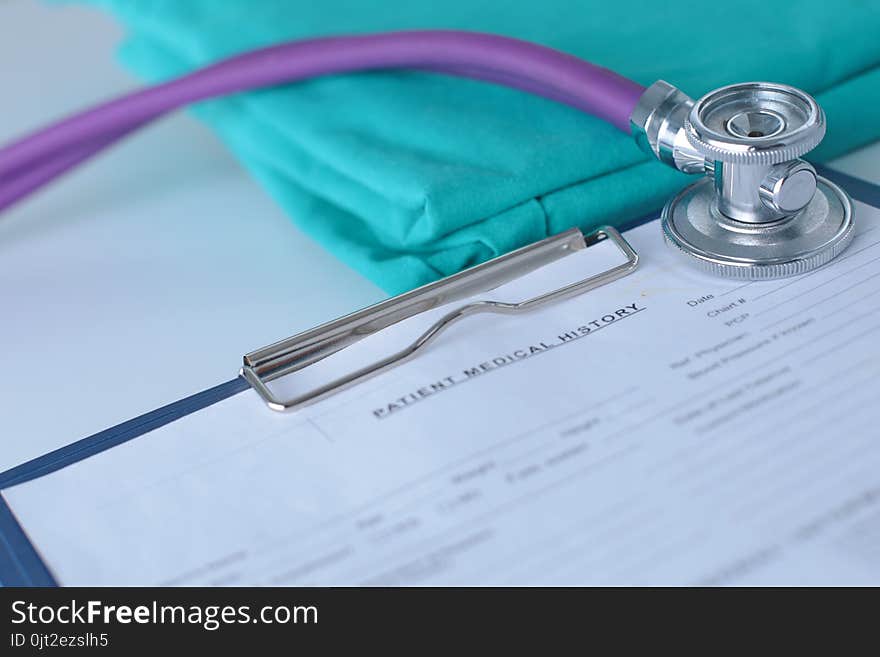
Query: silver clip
[(297, 352)]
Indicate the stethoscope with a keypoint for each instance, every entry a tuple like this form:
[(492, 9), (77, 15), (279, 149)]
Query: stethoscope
[(758, 212)]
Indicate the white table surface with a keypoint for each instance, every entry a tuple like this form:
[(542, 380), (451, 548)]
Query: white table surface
[(143, 277)]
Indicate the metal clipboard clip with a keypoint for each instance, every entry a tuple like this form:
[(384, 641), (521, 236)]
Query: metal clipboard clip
[(299, 351)]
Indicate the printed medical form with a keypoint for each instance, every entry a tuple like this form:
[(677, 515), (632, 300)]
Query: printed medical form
[(669, 428)]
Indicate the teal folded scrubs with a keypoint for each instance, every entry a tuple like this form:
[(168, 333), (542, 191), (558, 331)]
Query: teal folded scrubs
[(408, 176)]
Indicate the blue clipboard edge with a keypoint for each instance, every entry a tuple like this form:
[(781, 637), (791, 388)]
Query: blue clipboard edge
[(20, 562)]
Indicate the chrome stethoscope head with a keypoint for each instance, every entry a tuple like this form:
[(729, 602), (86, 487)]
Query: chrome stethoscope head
[(760, 212)]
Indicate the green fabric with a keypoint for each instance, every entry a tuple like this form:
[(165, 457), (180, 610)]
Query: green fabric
[(408, 177)]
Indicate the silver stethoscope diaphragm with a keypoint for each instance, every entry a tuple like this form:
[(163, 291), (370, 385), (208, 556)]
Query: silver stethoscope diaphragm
[(760, 212)]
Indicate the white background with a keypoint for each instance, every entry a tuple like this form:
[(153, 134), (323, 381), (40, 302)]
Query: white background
[(143, 277)]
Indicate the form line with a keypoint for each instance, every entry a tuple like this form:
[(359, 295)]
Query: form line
[(820, 269), (824, 283)]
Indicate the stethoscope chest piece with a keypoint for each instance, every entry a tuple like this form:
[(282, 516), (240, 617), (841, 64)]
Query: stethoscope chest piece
[(694, 227), (760, 212)]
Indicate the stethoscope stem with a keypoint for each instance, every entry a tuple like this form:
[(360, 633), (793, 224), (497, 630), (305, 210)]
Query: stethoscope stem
[(30, 163)]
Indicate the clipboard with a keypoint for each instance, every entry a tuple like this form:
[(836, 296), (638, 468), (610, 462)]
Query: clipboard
[(20, 561)]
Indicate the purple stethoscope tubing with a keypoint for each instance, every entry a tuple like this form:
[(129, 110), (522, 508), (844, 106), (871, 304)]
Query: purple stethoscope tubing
[(28, 164)]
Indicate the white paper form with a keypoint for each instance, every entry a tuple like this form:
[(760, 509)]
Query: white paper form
[(669, 428)]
